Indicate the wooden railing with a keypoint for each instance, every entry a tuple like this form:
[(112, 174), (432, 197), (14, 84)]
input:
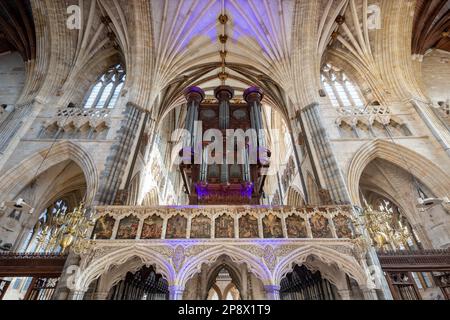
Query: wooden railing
[(417, 261), (31, 265)]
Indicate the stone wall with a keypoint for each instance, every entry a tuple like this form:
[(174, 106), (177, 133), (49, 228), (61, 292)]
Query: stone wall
[(436, 75), (12, 77)]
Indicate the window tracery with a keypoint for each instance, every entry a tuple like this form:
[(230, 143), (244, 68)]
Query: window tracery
[(38, 239), (343, 94), (105, 93)]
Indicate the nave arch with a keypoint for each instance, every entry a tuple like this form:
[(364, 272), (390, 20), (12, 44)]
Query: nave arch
[(20, 176), (423, 169)]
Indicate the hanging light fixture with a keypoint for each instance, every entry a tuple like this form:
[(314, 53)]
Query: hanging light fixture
[(66, 231)]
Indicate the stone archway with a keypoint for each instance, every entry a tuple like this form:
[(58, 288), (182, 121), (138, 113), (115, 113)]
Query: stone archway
[(120, 261), (21, 175), (425, 170), (403, 176), (333, 264)]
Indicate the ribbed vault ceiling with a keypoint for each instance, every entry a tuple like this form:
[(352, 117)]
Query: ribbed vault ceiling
[(431, 26), (17, 31)]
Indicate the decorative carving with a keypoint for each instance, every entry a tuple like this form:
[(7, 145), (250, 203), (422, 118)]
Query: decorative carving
[(270, 257), (178, 258)]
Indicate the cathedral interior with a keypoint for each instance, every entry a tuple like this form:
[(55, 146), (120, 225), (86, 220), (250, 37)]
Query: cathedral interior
[(224, 150)]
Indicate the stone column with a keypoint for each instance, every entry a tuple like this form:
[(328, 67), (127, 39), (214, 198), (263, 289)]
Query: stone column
[(244, 284), (76, 295), (327, 160), (345, 294), (101, 295), (26, 229), (369, 294), (118, 162), (176, 292), (65, 288), (272, 292)]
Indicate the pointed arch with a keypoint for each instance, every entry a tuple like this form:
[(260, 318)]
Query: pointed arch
[(346, 263), (425, 170), (210, 256), (144, 255), (17, 178), (295, 197)]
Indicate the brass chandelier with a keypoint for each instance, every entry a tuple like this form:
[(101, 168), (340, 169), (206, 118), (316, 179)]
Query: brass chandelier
[(67, 231)]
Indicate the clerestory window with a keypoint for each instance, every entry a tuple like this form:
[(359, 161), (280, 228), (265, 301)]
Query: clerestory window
[(343, 94), (105, 93)]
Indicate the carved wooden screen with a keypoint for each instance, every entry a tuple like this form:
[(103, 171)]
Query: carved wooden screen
[(4, 285), (145, 284), (42, 289), (403, 286), (443, 281), (302, 284)]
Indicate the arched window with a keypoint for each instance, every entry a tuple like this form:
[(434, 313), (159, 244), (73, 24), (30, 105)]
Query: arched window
[(105, 93), (343, 94), (39, 237)]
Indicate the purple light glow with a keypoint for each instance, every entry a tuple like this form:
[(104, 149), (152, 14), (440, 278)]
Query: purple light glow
[(247, 190), (202, 21)]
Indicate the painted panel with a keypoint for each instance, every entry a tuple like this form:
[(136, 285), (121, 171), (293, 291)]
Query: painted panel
[(224, 227), (104, 226), (201, 227), (248, 227), (152, 228), (296, 227), (128, 228), (272, 227), (176, 227)]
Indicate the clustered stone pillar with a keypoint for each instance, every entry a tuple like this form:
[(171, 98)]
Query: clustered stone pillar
[(176, 292), (120, 155), (65, 289), (272, 292), (345, 294), (328, 163), (224, 94)]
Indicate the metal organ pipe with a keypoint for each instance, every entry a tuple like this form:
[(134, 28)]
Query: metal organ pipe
[(224, 94), (194, 97), (254, 96)]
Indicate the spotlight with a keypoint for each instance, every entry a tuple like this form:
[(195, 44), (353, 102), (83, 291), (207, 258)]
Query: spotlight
[(19, 204), (430, 203)]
